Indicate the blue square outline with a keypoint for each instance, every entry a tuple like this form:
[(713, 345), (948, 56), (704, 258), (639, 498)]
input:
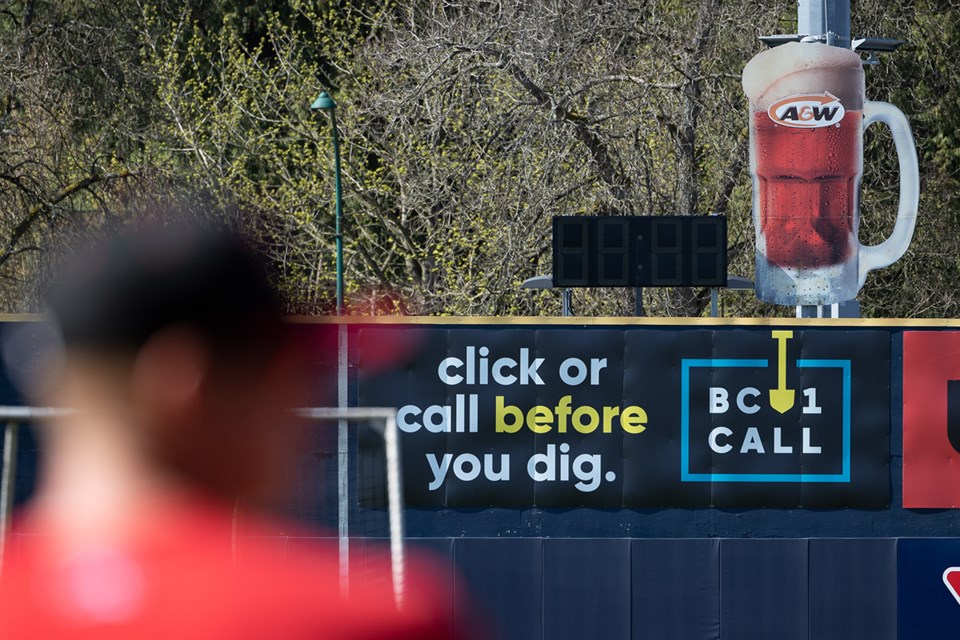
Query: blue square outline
[(686, 476)]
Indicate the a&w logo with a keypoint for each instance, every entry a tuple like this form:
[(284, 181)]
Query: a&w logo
[(807, 111)]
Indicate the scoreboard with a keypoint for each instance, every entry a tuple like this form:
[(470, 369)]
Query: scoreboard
[(639, 251)]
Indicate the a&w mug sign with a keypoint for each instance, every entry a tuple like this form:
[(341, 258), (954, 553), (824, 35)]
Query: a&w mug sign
[(808, 113)]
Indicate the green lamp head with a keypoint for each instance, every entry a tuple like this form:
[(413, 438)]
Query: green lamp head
[(323, 102)]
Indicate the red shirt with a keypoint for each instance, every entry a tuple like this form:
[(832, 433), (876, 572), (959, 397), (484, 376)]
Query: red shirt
[(183, 580)]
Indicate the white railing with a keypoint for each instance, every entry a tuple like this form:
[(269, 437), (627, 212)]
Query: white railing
[(13, 417)]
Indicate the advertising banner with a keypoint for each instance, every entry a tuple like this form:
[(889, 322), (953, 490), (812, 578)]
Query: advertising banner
[(630, 417), (808, 112), (931, 419), (928, 588)]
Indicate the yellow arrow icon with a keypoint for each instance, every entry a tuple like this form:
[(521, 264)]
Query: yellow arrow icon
[(781, 398)]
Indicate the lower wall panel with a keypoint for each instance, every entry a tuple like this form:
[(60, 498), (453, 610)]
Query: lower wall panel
[(853, 588), (586, 583), (503, 583), (687, 589), (764, 589), (663, 568), (682, 589)]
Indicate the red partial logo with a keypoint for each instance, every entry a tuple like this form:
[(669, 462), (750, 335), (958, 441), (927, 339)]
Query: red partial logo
[(931, 419), (951, 578), (807, 111)]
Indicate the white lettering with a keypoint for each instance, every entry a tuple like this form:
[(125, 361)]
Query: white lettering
[(742, 400), (461, 462), (490, 473), (434, 411), (589, 478), (580, 371), (439, 469), (718, 400), (443, 371), (528, 370), (777, 446), (713, 440), (596, 366), (499, 366), (752, 442), (807, 447), (811, 406), (549, 472), (405, 425)]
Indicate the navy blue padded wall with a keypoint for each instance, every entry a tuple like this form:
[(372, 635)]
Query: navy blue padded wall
[(676, 589), (764, 589), (683, 589), (586, 588), (437, 553), (505, 581), (436, 550), (853, 588)]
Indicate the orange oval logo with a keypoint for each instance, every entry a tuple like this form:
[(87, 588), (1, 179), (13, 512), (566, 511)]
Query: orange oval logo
[(807, 111)]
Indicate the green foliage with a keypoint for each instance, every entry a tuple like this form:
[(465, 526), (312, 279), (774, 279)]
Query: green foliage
[(464, 129)]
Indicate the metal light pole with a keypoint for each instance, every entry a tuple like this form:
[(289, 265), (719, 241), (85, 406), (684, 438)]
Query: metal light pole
[(546, 282), (826, 19), (325, 103), (733, 282)]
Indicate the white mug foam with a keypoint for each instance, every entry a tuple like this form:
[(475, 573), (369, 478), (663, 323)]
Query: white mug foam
[(799, 68)]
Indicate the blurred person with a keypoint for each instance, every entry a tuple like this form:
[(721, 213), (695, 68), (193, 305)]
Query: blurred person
[(180, 376)]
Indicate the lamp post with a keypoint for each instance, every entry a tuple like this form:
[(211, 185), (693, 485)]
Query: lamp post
[(325, 103), (733, 282), (546, 282)]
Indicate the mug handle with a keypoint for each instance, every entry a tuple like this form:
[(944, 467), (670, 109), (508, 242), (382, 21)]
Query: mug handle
[(891, 249)]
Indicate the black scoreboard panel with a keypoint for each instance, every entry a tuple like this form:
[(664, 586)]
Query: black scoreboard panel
[(639, 251)]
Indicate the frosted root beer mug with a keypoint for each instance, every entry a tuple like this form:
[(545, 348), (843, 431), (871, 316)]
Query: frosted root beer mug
[(807, 117)]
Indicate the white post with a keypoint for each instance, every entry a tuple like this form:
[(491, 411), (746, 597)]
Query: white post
[(7, 482), (394, 482), (343, 459)]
